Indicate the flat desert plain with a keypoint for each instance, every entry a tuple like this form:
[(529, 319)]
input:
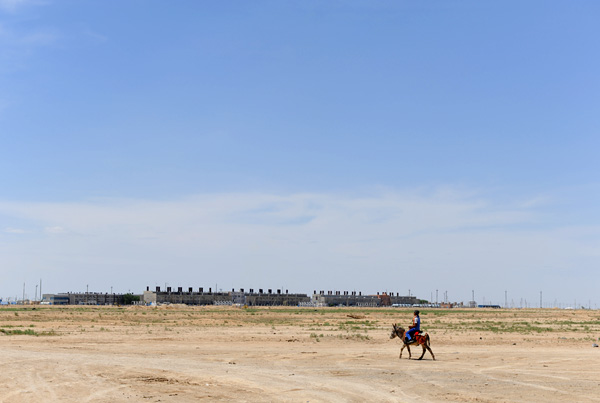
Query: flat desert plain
[(188, 354)]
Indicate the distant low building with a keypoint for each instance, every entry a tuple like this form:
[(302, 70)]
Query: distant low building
[(83, 298), (345, 298), (201, 297), (354, 298)]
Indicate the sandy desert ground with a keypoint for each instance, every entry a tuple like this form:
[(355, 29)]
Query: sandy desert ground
[(189, 354)]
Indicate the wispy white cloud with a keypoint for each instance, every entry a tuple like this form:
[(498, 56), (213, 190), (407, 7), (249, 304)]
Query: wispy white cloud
[(11, 5), (14, 5), (10, 230), (18, 42), (55, 230)]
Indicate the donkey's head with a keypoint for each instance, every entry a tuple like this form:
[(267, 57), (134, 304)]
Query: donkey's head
[(397, 332)]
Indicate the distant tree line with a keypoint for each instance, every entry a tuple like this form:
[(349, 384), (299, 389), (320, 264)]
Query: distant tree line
[(129, 299)]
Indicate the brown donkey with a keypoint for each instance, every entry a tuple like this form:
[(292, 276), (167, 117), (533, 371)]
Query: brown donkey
[(420, 339)]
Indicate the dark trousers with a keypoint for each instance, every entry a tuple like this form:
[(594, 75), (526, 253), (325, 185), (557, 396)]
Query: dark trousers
[(411, 332)]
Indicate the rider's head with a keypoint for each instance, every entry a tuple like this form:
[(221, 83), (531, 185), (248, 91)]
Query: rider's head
[(416, 313)]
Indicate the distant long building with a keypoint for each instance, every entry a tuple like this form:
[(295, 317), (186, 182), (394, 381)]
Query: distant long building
[(353, 298), (251, 297), (208, 297), (83, 298), (269, 297)]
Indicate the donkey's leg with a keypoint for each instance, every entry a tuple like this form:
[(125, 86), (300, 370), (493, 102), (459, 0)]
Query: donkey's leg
[(421, 357), (430, 352), (404, 345), (409, 353)]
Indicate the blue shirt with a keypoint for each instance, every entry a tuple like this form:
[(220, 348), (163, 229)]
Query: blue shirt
[(417, 321)]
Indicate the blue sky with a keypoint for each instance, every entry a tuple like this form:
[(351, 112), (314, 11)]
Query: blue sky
[(311, 145)]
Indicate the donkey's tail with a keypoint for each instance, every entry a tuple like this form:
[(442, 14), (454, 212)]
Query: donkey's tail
[(428, 341)]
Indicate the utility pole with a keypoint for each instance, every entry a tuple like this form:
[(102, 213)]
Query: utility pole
[(541, 300), (436, 296)]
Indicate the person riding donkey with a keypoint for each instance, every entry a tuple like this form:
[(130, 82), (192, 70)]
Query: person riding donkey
[(416, 327)]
